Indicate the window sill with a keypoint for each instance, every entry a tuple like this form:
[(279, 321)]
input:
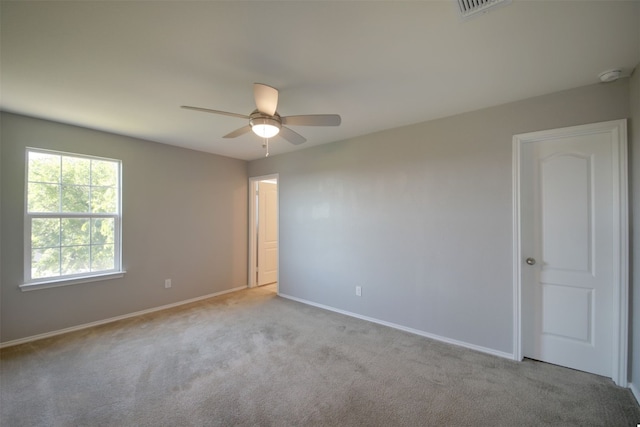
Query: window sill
[(70, 281)]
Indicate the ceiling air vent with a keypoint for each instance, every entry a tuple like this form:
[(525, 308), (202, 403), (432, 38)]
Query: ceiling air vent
[(469, 8)]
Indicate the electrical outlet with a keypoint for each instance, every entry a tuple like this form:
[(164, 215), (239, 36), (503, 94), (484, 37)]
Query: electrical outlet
[(358, 291), (167, 283)]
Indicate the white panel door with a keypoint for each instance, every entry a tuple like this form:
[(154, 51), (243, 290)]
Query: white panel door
[(267, 233), (570, 225)]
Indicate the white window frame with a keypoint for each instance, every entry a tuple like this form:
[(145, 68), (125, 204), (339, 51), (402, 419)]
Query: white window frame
[(70, 279)]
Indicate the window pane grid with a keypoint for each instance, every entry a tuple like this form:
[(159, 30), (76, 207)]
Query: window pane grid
[(72, 215), (81, 195), (66, 257)]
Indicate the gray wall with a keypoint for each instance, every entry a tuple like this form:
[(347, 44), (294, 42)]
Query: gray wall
[(419, 216), (184, 218), (634, 160)]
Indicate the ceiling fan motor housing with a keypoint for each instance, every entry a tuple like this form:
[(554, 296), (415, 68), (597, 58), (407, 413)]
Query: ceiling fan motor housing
[(257, 118)]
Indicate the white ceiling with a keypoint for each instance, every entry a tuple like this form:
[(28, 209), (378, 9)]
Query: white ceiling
[(126, 66)]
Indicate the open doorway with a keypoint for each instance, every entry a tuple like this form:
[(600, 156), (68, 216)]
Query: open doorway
[(263, 232)]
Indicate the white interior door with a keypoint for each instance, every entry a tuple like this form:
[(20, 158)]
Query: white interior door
[(571, 250), (267, 258)]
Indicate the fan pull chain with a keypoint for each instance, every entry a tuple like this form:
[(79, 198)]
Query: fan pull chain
[(265, 145)]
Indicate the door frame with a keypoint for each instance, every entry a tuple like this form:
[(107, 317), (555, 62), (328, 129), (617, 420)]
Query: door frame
[(253, 218), (618, 132)]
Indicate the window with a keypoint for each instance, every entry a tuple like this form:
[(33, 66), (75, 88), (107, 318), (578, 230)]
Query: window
[(72, 220)]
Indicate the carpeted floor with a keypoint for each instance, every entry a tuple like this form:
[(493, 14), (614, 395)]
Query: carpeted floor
[(253, 359)]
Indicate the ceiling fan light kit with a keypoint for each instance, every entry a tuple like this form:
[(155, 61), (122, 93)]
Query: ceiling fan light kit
[(267, 123), (265, 126)]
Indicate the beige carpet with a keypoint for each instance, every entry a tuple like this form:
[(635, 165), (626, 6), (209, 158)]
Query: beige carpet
[(253, 359)]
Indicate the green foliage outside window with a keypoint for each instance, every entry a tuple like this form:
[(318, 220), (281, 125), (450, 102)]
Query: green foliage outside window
[(72, 203)]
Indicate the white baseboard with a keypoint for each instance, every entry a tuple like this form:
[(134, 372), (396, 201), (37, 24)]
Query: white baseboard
[(406, 329), (114, 319), (636, 391)]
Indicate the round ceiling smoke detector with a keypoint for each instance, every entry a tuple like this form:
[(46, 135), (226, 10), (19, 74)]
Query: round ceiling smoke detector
[(610, 75)]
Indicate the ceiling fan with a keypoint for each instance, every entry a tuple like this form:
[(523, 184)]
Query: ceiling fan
[(265, 121)]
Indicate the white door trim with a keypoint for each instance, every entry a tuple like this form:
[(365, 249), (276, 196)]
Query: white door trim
[(253, 243), (618, 130)]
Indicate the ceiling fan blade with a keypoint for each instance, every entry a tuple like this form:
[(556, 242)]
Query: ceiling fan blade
[(313, 120), (238, 132), (207, 110), (291, 136), (266, 98)]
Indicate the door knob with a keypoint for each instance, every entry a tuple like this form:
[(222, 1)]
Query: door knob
[(530, 261)]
